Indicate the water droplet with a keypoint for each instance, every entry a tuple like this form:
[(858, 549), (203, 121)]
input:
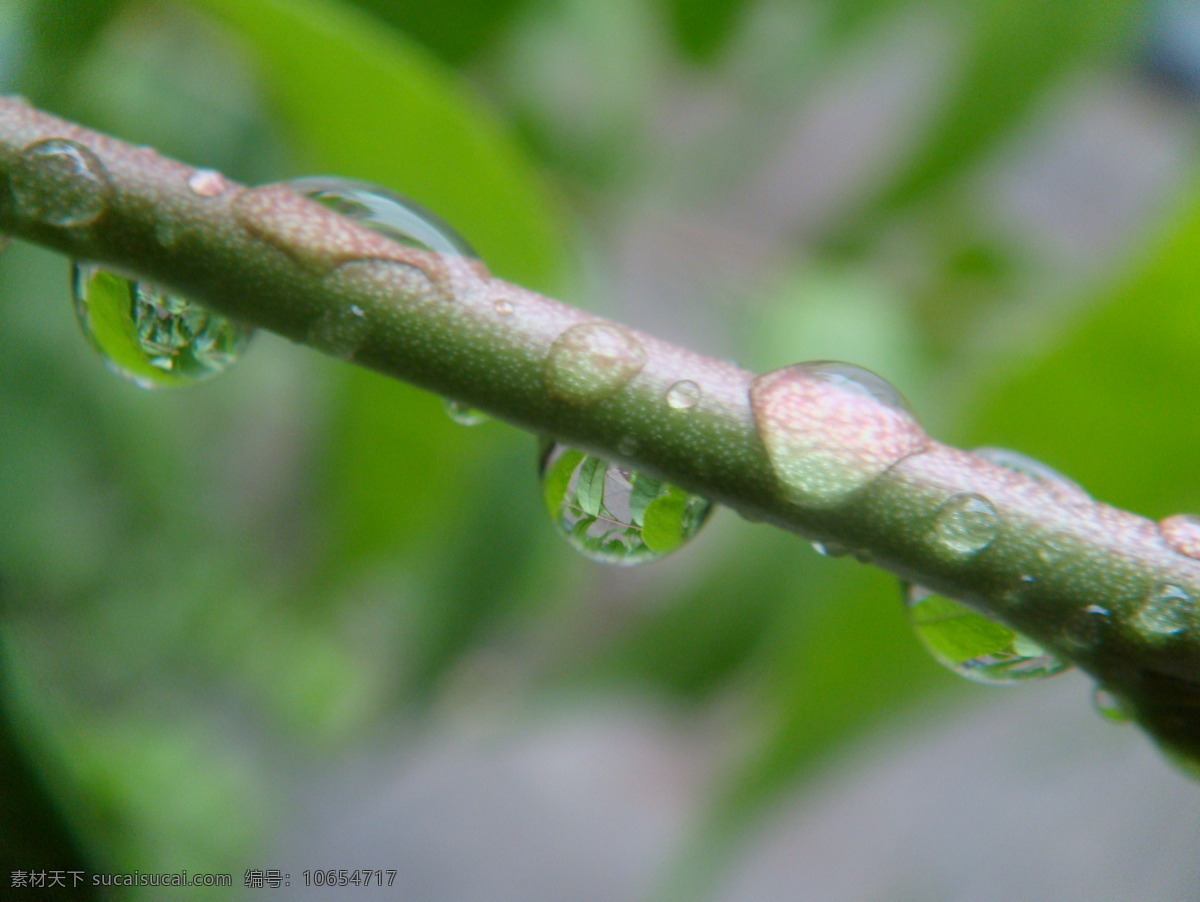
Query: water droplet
[(974, 646), (1168, 611), (963, 526), (208, 183), (831, 428), (458, 272), (61, 183), (1028, 466), (151, 337), (386, 212), (503, 307), (464, 414), (831, 549), (684, 394), (592, 361), (1109, 706), (1086, 628), (1182, 533), (339, 331), (615, 515)]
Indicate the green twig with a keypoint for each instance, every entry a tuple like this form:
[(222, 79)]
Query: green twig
[(1100, 586)]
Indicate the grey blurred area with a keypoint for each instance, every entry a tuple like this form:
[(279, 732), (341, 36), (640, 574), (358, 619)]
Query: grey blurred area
[(1025, 793), (1031, 795)]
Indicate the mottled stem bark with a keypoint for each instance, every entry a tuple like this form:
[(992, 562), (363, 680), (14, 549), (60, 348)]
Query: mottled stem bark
[(1081, 577)]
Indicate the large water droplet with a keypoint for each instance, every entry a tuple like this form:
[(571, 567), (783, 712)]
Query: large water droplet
[(1166, 612), (831, 428), (592, 361), (386, 212), (151, 337), (684, 395), (974, 646), (457, 273), (1028, 466), (963, 526), (1182, 533), (615, 515), (464, 414), (61, 183)]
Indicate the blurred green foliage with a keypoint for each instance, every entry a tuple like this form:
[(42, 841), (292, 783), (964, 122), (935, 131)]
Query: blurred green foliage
[(299, 552)]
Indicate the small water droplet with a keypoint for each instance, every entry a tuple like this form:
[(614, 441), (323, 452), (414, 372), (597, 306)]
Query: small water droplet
[(975, 646), (592, 361), (1182, 533), (61, 183), (684, 394), (208, 183), (339, 331), (1086, 627), (1028, 466), (154, 338), (963, 526), (831, 549), (1109, 706), (503, 307), (627, 446), (615, 515), (1168, 611), (829, 428), (465, 414)]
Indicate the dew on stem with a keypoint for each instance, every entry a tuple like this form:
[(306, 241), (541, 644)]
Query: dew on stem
[(589, 362), (684, 395), (1167, 611), (1109, 706), (615, 515), (386, 212), (1182, 533), (830, 428), (60, 183), (1043, 474), (963, 526), (975, 646), (464, 414)]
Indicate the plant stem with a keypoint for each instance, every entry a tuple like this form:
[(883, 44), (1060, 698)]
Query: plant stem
[(1082, 578)]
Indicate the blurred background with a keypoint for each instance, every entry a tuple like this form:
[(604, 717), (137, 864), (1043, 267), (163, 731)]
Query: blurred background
[(297, 619)]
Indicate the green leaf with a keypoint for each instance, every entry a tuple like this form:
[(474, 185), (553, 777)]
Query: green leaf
[(1112, 401), (1019, 49), (644, 490), (580, 532), (958, 632), (557, 480), (662, 527), (113, 329), (589, 488), (359, 100)]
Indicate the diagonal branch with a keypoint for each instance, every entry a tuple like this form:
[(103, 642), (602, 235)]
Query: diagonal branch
[(828, 455)]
